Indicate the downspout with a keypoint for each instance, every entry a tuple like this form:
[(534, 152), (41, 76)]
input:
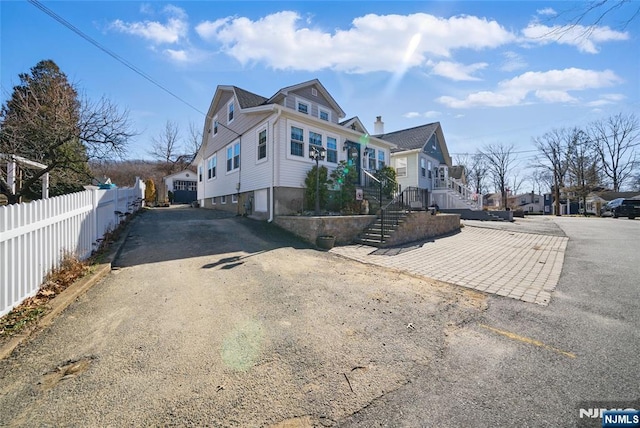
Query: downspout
[(273, 166)]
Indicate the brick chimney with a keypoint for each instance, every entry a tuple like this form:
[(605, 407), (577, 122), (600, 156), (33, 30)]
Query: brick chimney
[(378, 126)]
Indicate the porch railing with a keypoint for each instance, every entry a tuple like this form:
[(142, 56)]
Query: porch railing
[(460, 188), (396, 210)]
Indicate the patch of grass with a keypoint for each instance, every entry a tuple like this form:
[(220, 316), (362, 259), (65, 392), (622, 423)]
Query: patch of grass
[(71, 269)]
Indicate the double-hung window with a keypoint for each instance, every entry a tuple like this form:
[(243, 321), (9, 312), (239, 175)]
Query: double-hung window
[(215, 125), (262, 144), (315, 139), (230, 112), (233, 157), (429, 168), (200, 172), (332, 150), (401, 167), (371, 159), (297, 141), (381, 161), (211, 167), (423, 167)]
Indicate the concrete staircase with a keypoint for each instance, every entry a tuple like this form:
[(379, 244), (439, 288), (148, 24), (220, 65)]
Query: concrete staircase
[(382, 229)]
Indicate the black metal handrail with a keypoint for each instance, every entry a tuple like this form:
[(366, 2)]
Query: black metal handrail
[(394, 211)]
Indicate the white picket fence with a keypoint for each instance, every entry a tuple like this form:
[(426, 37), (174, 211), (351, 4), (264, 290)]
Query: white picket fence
[(35, 236)]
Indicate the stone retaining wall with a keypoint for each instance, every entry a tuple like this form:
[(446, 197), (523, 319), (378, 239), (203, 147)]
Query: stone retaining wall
[(421, 225), (344, 228)]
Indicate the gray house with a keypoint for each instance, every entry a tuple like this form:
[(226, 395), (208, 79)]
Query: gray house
[(422, 161)]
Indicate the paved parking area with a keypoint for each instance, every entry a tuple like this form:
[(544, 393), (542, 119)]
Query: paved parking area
[(524, 266)]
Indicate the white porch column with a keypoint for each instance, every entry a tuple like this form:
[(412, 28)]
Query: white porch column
[(45, 186), (11, 175)]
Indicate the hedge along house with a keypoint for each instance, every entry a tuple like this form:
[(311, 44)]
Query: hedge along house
[(421, 160), (255, 151)]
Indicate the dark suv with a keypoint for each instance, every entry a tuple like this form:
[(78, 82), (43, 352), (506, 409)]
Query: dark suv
[(626, 208)]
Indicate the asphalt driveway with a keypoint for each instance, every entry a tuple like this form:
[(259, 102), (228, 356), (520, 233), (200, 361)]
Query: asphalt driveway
[(212, 320)]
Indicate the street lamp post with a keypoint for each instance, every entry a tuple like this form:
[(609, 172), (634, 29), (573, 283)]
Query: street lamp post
[(317, 155)]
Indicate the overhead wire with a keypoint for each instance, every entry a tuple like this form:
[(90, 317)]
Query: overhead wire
[(112, 54)]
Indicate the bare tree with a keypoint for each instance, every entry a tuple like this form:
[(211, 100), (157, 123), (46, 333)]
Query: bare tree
[(552, 148), (541, 178), (500, 159), (615, 140), (166, 149), (476, 171), (582, 20), (194, 141), (582, 166), (45, 121)]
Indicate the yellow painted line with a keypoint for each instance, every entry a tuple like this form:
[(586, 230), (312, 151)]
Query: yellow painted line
[(528, 340)]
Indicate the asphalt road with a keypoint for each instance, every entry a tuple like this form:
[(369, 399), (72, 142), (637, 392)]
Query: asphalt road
[(526, 365), (213, 320)]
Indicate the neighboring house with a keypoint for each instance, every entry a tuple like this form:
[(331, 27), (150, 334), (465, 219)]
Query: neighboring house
[(492, 200), (183, 185), (597, 200), (422, 161), (255, 151), (527, 202)]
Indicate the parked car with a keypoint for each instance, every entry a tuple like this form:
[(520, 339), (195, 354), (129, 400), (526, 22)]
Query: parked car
[(624, 208), (607, 209)]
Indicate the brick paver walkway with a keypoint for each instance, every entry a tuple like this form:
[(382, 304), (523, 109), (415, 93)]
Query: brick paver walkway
[(522, 266)]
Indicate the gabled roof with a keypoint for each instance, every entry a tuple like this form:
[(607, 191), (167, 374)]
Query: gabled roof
[(412, 138), (315, 82), (248, 99), (354, 123), (611, 195)]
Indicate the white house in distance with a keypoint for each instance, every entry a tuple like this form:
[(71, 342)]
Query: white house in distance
[(255, 151), (183, 186)]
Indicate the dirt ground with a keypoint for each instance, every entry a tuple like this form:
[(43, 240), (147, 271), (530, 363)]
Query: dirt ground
[(216, 320)]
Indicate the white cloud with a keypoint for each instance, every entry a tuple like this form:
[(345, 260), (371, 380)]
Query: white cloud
[(173, 31), (606, 99), (456, 71), (513, 61), (547, 11), (372, 43), (585, 39), (550, 86), (427, 114)]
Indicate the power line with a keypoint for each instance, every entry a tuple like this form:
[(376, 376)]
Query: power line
[(109, 52)]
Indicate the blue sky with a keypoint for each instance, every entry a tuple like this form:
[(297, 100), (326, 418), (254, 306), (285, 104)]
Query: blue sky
[(489, 71)]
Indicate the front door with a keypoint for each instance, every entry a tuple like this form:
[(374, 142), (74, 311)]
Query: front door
[(354, 158)]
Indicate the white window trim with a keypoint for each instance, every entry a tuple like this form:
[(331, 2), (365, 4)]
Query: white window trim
[(314, 92), (223, 199), (305, 102), (213, 200), (232, 170), (305, 144), (215, 155), (405, 166), (337, 149), (264, 159), (234, 111), (234, 198), (213, 125), (320, 110)]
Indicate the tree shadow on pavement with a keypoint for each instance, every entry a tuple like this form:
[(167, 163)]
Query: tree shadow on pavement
[(158, 235)]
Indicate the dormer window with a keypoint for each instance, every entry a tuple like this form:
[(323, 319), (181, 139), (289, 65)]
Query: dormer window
[(303, 107), (230, 110)]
